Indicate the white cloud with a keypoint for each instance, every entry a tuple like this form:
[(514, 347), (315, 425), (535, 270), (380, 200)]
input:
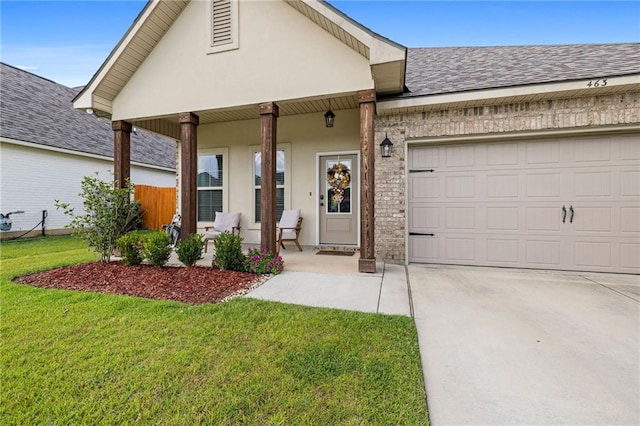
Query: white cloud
[(68, 65), (26, 67)]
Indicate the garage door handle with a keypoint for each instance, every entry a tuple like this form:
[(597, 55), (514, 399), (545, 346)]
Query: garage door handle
[(564, 214), (572, 213), (419, 233)]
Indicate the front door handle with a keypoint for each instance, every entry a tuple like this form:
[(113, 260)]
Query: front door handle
[(572, 213), (564, 214)]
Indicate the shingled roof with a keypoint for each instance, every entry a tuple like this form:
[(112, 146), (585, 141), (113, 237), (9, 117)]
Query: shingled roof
[(432, 71), (36, 110)]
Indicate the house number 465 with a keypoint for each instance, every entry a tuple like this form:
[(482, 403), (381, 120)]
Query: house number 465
[(597, 83)]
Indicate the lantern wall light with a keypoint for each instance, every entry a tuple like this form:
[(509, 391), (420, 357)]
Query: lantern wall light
[(386, 147), (329, 116)]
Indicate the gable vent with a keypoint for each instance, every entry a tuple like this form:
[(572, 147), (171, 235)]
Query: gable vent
[(221, 22)]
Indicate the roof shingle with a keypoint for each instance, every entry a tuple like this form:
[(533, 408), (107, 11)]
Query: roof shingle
[(34, 109), (432, 71)]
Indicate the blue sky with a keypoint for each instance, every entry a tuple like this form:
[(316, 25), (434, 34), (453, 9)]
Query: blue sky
[(66, 41)]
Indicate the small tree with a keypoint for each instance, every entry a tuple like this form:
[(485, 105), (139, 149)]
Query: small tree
[(110, 213)]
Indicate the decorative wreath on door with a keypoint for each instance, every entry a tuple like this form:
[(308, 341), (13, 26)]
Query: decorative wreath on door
[(339, 178)]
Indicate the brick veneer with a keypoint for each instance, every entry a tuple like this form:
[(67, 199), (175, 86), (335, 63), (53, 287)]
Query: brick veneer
[(557, 114)]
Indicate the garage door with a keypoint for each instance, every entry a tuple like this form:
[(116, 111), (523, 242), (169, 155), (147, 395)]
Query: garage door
[(567, 204)]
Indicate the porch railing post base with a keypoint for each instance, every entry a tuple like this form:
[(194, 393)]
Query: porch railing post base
[(367, 266)]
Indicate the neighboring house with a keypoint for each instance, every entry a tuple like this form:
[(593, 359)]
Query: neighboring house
[(47, 146), (503, 156)]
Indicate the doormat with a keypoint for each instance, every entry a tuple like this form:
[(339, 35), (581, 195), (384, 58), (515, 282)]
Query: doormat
[(335, 252)]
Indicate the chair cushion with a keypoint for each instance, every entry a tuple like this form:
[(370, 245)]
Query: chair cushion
[(288, 234), (211, 234), (226, 221), (289, 219)]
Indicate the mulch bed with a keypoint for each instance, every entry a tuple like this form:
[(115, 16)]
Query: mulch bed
[(195, 284)]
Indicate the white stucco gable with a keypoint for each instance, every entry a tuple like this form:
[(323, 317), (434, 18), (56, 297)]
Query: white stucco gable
[(281, 55), (284, 51)]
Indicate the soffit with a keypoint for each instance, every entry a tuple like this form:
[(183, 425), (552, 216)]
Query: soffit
[(142, 38), (330, 26), (387, 59)]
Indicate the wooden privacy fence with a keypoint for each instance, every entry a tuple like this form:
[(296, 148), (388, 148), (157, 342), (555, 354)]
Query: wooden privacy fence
[(158, 205)]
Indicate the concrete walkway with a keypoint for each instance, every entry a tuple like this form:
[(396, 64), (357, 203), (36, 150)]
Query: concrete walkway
[(385, 292)]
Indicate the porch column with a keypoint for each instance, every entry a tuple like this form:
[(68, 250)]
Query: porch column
[(269, 117), (121, 152), (189, 172), (367, 100)]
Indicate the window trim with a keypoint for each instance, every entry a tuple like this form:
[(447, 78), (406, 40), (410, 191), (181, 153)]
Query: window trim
[(286, 147), (225, 179), (234, 44)]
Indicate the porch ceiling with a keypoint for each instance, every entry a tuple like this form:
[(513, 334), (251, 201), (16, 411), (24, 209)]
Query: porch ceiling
[(169, 125)]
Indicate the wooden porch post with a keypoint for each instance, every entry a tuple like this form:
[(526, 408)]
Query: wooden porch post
[(121, 152), (367, 100), (269, 117), (189, 172)]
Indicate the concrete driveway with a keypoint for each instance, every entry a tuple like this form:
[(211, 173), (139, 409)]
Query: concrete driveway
[(504, 346)]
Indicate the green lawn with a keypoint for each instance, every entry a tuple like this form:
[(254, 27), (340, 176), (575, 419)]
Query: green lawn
[(84, 358)]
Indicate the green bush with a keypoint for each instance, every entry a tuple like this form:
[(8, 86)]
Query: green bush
[(157, 248), (131, 246), (229, 254), (190, 250), (109, 213)]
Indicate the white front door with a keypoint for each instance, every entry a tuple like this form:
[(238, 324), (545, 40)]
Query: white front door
[(338, 199)]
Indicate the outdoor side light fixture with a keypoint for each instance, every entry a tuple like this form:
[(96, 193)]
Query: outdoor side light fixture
[(329, 116), (386, 147)]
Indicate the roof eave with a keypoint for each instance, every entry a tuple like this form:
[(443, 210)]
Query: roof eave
[(386, 57), (85, 98), (391, 105)]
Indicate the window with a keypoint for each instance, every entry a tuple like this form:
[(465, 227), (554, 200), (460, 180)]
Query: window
[(281, 180), (222, 18), (211, 183)]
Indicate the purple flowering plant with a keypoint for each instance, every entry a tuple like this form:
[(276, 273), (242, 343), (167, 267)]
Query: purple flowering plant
[(264, 262)]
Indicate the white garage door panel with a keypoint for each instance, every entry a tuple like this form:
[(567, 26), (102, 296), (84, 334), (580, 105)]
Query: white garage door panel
[(501, 204)]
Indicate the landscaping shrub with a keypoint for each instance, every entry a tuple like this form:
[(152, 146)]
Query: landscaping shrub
[(229, 254), (263, 262), (190, 250), (131, 246), (157, 248), (110, 213)]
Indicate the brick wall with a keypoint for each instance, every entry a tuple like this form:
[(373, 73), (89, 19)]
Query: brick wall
[(555, 114)]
